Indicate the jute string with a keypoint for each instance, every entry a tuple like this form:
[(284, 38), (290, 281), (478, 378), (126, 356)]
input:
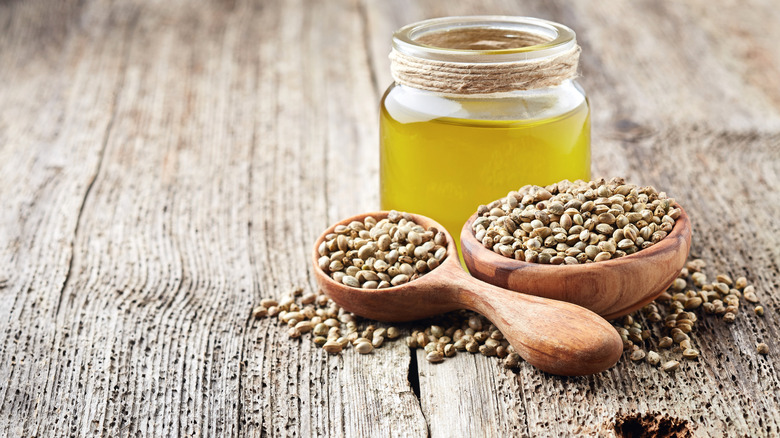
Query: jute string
[(484, 78)]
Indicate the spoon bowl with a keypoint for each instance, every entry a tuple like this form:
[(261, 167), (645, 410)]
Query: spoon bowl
[(554, 336), (611, 288)]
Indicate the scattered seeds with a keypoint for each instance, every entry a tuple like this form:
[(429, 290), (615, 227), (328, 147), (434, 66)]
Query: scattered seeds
[(671, 320), (673, 316)]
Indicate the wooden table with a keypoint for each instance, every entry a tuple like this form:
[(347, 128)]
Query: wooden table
[(165, 165)]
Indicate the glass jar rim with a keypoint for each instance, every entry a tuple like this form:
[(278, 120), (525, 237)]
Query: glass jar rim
[(562, 38)]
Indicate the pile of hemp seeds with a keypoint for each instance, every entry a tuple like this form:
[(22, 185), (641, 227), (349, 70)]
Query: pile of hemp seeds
[(575, 222), (377, 254)]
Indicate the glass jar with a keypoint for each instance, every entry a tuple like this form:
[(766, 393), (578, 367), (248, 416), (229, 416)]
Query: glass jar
[(470, 119)]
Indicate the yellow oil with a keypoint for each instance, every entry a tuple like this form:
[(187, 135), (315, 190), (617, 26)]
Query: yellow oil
[(446, 167)]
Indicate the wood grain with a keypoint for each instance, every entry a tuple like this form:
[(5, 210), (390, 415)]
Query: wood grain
[(163, 166)]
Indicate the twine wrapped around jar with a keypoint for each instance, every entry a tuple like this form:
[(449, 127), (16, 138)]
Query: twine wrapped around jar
[(460, 67)]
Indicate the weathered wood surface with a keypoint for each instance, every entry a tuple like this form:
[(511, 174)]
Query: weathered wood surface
[(164, 165)]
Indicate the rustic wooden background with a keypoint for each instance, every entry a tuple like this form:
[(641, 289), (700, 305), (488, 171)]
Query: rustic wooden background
[(165, 164)]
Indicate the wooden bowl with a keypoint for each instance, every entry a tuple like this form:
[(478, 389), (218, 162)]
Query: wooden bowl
[(611, 288)]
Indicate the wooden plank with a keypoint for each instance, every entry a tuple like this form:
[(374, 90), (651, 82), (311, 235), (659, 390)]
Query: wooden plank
[(457, 402), (58, 104), (205, 185), (153, 348), (303, 180)]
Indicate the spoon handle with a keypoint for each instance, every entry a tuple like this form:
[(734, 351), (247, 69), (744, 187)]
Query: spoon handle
[(554, 336)]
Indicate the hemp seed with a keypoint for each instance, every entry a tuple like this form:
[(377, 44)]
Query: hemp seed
[(434, 357), (670, 366), (364, 347), (653, 358), (637, 355), (268, 303), (332, 347), (512, 361)]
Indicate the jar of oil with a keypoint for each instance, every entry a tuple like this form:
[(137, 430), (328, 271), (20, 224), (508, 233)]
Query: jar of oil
[(449, 143)]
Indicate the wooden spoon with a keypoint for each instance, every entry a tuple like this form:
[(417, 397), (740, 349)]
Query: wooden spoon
[(554, 336), (611, 288)]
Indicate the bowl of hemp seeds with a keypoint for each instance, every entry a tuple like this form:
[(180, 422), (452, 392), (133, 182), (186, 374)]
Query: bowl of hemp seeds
[(377, 264), (606, 245)]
